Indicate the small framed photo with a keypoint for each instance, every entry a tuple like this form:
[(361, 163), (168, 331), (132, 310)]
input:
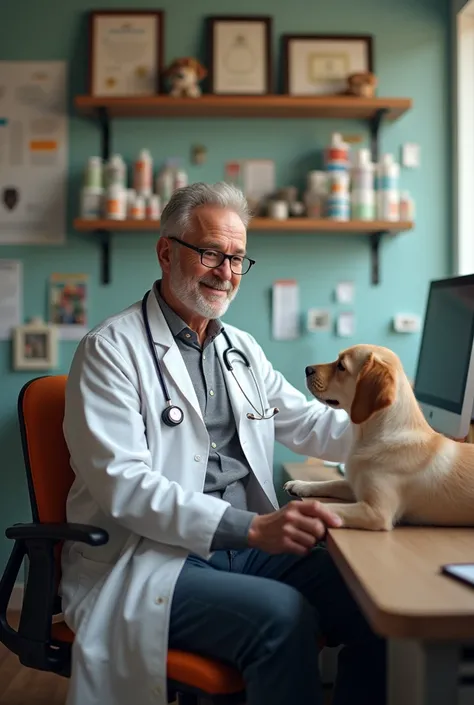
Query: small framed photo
[(239, 60), (319, 64), (318, 320), (35, 346), (125, 52)]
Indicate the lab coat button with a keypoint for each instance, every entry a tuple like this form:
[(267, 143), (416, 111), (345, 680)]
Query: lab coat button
[(159, 600), (197, 458), (214, 445), (211, 392)]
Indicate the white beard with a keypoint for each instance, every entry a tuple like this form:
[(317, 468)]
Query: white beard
[(188, 291)]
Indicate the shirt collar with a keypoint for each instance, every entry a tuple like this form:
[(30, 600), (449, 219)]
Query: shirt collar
[(176, 323)]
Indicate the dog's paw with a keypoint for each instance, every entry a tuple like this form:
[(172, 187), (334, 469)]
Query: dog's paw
[(298, 488)]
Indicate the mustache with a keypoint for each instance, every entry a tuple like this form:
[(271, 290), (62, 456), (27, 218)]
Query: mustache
[(217, 284)]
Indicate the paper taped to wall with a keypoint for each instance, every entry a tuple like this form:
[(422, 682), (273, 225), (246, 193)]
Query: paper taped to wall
[(11, 296), (346, 324), (285, 309), (33, 152)]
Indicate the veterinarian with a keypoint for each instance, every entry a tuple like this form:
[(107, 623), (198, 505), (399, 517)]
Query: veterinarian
[(171, 421)]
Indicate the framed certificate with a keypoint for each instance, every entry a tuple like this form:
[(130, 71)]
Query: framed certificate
[(319, 64), (239, 52), (125, 52)]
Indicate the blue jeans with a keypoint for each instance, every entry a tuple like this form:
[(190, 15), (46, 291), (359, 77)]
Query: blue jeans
[(263, 614)]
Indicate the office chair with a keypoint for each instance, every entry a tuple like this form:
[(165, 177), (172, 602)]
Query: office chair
[(39, 642)]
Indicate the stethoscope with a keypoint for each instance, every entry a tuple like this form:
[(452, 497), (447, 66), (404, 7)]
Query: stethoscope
[(173, 415)]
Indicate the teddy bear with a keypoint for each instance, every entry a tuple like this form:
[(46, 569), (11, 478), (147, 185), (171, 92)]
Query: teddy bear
[(362, 84)]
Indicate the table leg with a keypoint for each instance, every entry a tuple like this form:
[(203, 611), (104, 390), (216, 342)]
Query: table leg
[(422, 673)]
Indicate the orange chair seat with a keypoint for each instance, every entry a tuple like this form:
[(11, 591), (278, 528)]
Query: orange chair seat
[(196, 671)]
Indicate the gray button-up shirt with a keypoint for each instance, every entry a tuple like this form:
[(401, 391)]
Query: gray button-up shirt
[(227, 471)]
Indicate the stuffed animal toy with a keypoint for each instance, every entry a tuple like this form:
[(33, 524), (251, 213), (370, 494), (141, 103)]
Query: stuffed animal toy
[(184, 75), (362, 84)]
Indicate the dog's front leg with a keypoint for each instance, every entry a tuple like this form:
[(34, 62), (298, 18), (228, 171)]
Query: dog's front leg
[(362, 515), (336, 489)]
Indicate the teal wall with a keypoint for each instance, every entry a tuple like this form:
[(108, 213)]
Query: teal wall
[(411, 59)]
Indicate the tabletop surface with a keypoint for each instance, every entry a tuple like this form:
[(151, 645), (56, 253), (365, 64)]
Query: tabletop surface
[(395, 576)]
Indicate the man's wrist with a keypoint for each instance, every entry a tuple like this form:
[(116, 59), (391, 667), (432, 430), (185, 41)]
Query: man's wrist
[(233, 529)]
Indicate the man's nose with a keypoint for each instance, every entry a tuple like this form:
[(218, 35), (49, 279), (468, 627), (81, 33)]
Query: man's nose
[(309, 371), (224, 271)]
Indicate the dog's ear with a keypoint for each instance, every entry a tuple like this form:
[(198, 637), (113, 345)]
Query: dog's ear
[(201, 72), (171, 68), (375, 390)]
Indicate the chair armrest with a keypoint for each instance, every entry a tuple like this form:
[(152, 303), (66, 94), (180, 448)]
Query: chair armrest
[(84, 533), (39, 542)]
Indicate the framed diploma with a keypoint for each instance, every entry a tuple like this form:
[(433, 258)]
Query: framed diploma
[(239, 52), (125, 52)]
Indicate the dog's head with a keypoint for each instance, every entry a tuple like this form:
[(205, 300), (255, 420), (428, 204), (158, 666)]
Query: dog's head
[(186, 69), (362, 381)]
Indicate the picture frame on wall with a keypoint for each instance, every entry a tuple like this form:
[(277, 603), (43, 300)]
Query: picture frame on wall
[(319, 64), (126, 52), (239, 55), (35, 346)]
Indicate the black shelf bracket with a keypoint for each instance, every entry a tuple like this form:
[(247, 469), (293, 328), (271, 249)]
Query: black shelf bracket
[(104, 122), (104, 236), (375, 123), (375, 239)]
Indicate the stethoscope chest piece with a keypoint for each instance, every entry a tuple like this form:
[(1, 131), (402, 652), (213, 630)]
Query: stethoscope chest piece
[(172, 416)]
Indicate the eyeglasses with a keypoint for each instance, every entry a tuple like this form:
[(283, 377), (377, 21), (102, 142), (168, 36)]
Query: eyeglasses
[(213, 258)]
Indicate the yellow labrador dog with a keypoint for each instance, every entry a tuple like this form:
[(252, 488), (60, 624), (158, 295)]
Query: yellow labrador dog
[(399, 469)]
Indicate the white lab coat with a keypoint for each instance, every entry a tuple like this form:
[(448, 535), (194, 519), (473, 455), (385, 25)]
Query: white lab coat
[(143, 483)]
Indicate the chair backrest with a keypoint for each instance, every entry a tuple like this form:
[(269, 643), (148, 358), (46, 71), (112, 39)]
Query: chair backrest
[(49, 474)]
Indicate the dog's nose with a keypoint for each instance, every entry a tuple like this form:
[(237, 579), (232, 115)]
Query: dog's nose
[(309, 371)]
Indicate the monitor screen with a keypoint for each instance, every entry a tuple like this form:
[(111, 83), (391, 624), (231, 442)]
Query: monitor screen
[(446, 345)]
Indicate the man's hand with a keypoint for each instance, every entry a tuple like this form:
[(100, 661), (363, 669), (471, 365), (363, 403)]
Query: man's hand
[(295, 528)]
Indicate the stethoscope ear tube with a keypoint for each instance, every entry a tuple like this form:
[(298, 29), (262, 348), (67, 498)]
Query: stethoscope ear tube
[(171, 415)]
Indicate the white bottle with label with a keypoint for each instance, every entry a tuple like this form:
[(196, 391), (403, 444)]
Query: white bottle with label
[(180, 177), (143, 173), (165, 182), (116, 203), (116, 171), (138, 207), (153, 207), (93, 176), (92, 198), (316, 194), (407, 207)]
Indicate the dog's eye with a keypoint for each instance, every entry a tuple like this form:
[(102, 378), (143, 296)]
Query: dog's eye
[(340, 366)]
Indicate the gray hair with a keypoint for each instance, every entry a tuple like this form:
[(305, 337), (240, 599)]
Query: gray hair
[(177, 214)]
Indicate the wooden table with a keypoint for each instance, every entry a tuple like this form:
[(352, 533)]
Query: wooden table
[(395, 577)]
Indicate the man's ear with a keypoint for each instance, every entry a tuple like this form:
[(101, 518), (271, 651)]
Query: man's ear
[(375, 390), (163, 251)]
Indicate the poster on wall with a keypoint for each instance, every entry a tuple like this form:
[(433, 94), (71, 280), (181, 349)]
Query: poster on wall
[(68, 303), (33, 152), (11, 300)]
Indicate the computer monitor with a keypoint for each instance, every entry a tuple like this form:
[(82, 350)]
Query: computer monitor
[(444, 380)]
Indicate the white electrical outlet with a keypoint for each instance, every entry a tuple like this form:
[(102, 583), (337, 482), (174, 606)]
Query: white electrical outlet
[(411, 155), (406, 323)]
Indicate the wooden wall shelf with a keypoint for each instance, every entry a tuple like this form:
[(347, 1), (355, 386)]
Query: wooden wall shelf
[(375, 229), (307, 225), (373, 111), (266, 106)]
